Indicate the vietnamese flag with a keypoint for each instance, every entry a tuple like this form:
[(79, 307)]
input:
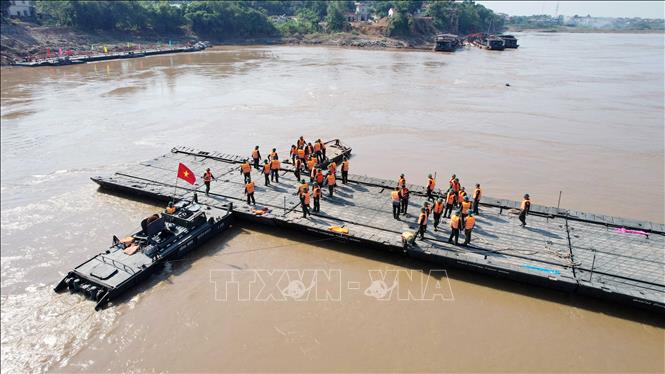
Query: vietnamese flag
[(185, 173)]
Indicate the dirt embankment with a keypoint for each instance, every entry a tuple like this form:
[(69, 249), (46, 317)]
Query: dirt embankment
[(21, 40)]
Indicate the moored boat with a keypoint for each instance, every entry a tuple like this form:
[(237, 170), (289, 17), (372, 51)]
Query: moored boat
[(509, 41), (447, 43)]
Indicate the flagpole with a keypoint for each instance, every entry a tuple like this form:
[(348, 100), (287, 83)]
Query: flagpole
[(175, 188)]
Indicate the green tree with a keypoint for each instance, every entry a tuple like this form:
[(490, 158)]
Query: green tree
[(335, 19)]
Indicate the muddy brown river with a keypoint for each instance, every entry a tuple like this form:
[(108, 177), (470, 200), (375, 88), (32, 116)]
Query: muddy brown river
[(582, 114)]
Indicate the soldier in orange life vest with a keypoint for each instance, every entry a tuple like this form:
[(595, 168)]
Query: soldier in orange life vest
[(405, 199), (461, 195), (301, 142), (305, 203), (316, 192), (477, 194), (170, 209), (301, 189), (450, 202), (401, 182), (456, 185), (320, 178), (332, 182), (452, 179), (296, 169), (469, 224), (455, 224), (332, 168), (256, 157), (345, 171), (317, 150), (249, 190), (323, 149), (301, 154), (309, 150), (311, 164), (273, 154), (274, 169), (465, 207), (266, 172), (246, 170), (395, 197), (422, 222), (431, 183), (525, 207), (438, 211), (207, 177), (293, 153)]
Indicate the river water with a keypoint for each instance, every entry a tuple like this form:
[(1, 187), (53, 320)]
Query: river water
[(582, 114)]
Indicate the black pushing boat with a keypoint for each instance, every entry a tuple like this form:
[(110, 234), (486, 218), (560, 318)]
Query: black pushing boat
[(447, 43), (133, 259), (509, 41)]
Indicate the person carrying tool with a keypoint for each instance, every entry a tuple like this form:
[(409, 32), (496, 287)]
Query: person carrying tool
[(316, 193), (431, 183), (274, 169), (331, 181), (455, 224), (246, 170), (345, 170), (304, 201), (256, 157), (249, 191), (477, 195), (266, 172), (395, 197), (422, 222), (525, 207), (438, 211), (469, 224), (450, 203), (405, 199), (207, 178)]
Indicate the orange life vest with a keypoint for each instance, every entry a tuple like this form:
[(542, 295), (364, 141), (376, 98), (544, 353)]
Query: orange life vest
[(438, 207), (345, 165), (331, 179), (465, 207), (332, 167), (266, 168), (207, 176), (395, 196), (273, 155), (246, 168), (454, 222), (250, 187), (317, 192), (306, 198), (317, 147), (526, 204), (255, 154), (301, 142), (319, 177), (311, 163), (302, 188), (422, 220), (170, 209), (462, 195), (431, 182), (301, 153), (274, 164), (294, 151), (477, 193), (450, 198), (469, 222)]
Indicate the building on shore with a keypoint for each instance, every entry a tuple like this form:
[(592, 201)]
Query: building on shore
[(22, 8)]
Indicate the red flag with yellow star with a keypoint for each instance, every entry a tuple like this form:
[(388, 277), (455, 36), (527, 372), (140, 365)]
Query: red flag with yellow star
[(186, 174)]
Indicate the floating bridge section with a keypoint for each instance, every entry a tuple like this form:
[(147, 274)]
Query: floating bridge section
[(562, 249)]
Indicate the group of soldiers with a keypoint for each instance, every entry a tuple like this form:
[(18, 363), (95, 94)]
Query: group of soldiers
[(454, 204)]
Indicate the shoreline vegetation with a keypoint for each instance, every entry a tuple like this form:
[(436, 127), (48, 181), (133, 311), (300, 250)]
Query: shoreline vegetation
[(77, 25)]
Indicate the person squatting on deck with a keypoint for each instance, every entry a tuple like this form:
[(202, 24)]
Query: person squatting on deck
[(246, 170), (455, 224), (525, 207), (274, 169), (249, 191), (395, 196), (256, 157), (207, 177), (422, 222)]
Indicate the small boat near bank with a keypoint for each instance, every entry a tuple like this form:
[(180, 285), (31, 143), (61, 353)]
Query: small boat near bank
[(447, 43), (131, 260)]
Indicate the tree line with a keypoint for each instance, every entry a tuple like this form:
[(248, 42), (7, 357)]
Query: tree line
[(259, 18)]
